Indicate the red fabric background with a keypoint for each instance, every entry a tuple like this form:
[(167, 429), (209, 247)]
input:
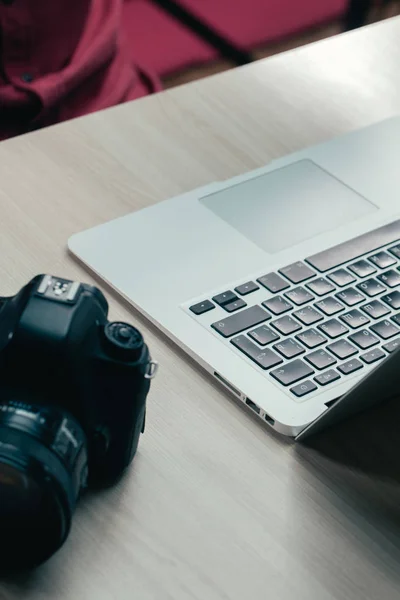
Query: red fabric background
[(162, 44)]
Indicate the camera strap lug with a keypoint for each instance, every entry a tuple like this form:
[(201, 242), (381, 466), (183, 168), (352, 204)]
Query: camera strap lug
[(152, 368)]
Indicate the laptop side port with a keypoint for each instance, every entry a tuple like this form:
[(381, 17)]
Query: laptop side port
[(260, 412), (263, 415), (227, 384), (269, 420), (253, 406)]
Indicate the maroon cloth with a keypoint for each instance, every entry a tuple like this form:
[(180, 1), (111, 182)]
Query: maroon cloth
[(166, 46), (61, 59)]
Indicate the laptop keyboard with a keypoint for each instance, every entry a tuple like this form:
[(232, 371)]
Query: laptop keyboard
[(326, 317)]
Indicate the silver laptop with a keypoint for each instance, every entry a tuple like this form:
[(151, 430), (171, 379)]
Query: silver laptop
[(283, 283)]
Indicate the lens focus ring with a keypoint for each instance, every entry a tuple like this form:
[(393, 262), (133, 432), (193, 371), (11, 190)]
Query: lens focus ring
[(43, 466), (54, 427)]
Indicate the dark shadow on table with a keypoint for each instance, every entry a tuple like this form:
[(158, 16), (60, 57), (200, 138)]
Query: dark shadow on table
[(367, 442), (346, 479), (359, 461)]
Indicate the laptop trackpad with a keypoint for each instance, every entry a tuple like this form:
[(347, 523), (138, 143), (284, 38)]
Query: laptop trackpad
[(285, 207)]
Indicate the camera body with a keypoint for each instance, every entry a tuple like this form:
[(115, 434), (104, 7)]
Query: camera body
[(58, 350)]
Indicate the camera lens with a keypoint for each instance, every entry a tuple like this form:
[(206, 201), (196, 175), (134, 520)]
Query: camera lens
[(43, 467)]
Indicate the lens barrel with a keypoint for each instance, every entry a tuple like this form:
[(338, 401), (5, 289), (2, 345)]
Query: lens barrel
[(43, 468)]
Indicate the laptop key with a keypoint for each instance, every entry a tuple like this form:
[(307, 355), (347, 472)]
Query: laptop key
[(330, 306), (289, 348), (320, 359), (301, 389), (371, 287), (375, 309), (321, 286), (308, 315), (395, 250), (286, 325), (225, 298), (341, 277), (350, 296), (392, 346), (356, 247), (392, 300), (372, 356), (202, 307), (299, 296), (342, 349), (362, 268), (273, 282), (385, 329), (327, 377), (266, 359), (390, 278), (246, 288), (333, 328), (396, 319), (244, 319), (263, 335), (364, 339), (277, 305), (234, 306), (383, 260), (354, 319), (292, 372), (350, 366), (297, 272), (311, 338)]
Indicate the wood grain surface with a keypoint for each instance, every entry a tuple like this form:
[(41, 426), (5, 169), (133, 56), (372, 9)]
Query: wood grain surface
[(214, 507)]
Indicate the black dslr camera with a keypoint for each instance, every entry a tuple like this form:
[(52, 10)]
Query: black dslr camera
[(73, 390)]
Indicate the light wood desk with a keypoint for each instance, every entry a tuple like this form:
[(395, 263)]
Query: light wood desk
[(215, 507)]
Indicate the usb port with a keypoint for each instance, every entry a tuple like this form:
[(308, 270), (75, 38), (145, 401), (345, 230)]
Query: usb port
[(269, 420), (253, 406)]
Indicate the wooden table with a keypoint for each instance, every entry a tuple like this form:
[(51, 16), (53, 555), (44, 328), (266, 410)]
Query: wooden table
[(215, 507)]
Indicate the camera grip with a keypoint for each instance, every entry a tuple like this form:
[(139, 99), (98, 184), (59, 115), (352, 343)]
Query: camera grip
[(123, 391)]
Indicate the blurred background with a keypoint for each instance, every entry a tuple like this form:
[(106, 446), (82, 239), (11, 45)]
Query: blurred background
[(184, 40)]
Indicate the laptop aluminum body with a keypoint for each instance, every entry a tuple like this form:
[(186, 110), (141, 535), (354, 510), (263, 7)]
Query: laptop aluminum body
[(202, 244)]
